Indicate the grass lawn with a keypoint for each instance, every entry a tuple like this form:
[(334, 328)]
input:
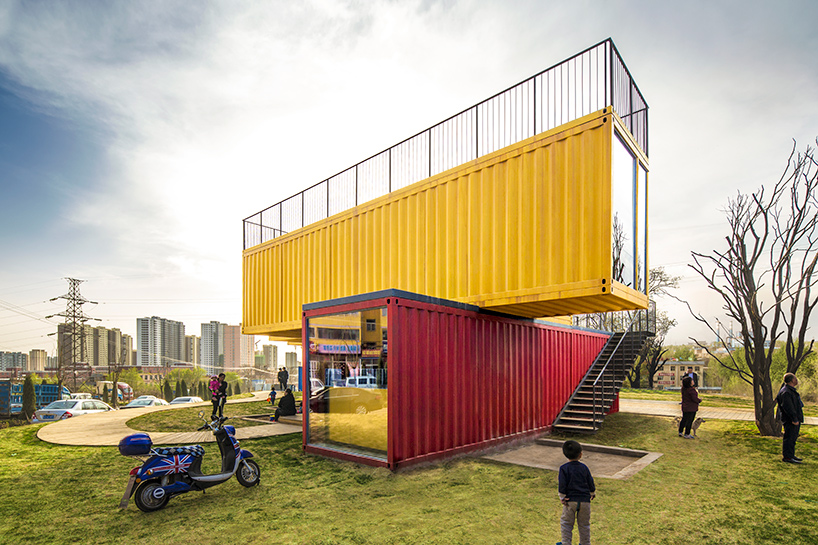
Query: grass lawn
[(186, 419), (728, 487), (708, 400)]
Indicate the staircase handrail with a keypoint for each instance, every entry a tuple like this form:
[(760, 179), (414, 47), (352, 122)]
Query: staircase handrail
[(605, 367)]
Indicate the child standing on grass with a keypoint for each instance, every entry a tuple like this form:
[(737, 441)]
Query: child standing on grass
[(576, 489)]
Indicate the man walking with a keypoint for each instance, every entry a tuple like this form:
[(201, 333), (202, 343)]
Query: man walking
[(790, 411)]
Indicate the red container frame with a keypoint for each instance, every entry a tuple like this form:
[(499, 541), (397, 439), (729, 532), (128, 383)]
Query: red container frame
[(462, 379)]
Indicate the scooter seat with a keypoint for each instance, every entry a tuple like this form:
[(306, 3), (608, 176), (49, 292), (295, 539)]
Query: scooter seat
[(196, 451)]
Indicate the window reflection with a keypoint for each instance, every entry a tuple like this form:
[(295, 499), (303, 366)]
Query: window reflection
[(348, 378), (623, 240), (642, 228)]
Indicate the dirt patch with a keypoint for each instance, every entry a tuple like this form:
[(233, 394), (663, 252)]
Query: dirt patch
[(603, 461)]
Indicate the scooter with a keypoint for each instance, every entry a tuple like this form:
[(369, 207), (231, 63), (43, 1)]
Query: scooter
[(169, 471)]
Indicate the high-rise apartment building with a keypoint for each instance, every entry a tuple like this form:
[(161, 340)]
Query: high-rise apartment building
[(224, 348), (211, 348), (192, 348), (127, 346), (37, 360), (291, 363), (99, 346), (12, 360), (159, 341), (270, 357), (96, 345)]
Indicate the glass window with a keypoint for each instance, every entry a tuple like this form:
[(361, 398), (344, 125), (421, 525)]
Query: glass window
[(642, 227), (623, 240), (348, 382)]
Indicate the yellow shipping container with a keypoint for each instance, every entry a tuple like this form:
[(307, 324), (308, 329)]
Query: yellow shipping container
[(526, 230)]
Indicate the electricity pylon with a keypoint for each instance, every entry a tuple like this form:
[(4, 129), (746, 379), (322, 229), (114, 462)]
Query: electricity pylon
[(73, 333)]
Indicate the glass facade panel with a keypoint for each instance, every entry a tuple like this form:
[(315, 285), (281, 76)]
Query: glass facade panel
[(623, 243), (348, 378), (642, 227)]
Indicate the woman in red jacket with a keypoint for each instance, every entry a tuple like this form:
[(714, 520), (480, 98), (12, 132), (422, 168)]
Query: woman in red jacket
[(690, 404)]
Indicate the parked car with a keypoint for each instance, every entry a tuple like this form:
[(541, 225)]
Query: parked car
[(145, 402), (347, 400), (186, 399), (362, 382), (146, 397), (66, 408), (315, 385), (81, 395)]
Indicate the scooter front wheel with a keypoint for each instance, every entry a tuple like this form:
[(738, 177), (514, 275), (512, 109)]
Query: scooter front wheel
[(248, 474), (149, 496)]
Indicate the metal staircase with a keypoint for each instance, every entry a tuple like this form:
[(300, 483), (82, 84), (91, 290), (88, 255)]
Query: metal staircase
[(596, 392)]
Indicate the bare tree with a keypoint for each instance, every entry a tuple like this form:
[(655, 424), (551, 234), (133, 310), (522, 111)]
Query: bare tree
[(765, 278), (114, 371), (650, 358)]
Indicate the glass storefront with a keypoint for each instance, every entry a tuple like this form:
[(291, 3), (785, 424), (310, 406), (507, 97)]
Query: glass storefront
[(348, 382)]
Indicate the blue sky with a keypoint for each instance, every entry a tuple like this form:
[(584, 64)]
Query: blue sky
[(135, 136)]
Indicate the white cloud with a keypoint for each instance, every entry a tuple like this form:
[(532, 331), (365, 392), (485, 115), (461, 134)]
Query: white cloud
[(211, 111)]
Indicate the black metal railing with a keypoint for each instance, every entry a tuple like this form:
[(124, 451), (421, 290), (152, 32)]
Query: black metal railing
[(643, 320), (589, 81)]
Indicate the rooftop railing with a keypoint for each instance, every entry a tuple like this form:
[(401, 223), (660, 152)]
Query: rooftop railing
[(589, 81)]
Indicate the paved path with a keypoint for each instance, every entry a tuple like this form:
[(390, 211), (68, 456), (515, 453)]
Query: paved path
[(672, 408), (106, 429)]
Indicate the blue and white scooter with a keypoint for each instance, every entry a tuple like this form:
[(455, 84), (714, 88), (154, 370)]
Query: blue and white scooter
[(170, 471)]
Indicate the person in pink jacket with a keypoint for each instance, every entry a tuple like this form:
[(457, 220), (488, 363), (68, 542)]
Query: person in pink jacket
[(690, 404), (214, 390)]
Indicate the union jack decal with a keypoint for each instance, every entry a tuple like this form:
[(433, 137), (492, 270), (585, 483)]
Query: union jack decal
[(178, 463)]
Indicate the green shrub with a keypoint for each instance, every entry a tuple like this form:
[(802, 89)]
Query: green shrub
[(29, 398)]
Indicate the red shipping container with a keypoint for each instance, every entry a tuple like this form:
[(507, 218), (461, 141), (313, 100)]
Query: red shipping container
[(462, 379)]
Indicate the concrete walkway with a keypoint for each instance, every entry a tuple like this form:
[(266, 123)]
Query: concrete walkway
[(671, 408), (106, 429)]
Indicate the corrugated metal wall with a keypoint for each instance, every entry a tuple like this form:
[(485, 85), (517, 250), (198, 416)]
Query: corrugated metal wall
[(462, 380), (525, 230)]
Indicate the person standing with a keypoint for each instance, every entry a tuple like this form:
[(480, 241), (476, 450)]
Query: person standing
[(221, 394), (285, 378), (576, 490), (214, 395), (791, 413), (690, 404), (694, 376)]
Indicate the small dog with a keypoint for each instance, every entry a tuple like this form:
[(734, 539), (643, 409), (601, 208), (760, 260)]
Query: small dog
[(694, 427)]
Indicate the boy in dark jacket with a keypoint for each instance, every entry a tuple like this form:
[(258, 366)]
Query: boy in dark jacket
[(790, 410), (576, 489)]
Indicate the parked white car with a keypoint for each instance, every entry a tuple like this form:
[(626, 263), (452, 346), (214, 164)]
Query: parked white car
[(66, 408), (362, 382), (186, 399), (139, 403), (315, 385)]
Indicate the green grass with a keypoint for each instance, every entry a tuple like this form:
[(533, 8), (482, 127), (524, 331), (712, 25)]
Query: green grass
[(708, 400), (187, 419), (728, 487)]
